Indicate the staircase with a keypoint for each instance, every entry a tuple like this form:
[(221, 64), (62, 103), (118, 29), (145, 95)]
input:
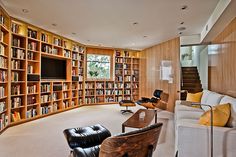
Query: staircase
[(190, 81)]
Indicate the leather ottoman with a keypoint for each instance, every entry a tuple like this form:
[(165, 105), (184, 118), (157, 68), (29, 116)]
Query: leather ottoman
[(85, 137)]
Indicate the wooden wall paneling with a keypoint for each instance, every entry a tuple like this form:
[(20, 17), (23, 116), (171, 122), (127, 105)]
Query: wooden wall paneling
[(150, 70), (222, 63)]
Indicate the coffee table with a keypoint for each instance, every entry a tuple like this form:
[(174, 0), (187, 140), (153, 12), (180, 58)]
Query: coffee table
[(136, 120)]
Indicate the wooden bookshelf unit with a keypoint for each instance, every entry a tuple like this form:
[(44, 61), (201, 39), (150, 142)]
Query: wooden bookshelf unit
[(25, 96)]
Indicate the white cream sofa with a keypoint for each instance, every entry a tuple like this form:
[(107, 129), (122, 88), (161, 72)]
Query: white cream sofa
[(193, 139)]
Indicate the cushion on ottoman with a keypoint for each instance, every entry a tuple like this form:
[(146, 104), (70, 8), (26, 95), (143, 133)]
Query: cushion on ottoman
[(85, 137)]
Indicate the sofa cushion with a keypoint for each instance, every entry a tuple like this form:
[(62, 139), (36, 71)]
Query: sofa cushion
[(221, 114), (188, 115), (205, 94), (213, 99), (232, 101)]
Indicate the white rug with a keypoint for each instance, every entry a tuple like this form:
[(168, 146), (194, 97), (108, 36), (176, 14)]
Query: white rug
[(44, 137)]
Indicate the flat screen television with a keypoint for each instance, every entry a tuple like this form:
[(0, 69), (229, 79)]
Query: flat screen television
[(53, 68)]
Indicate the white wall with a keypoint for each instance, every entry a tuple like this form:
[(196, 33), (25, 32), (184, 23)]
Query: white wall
[(203, 67)]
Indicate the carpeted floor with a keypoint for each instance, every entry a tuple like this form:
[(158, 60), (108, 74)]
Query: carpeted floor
[(44, 137)]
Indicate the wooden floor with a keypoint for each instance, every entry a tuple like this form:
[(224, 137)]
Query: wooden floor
[(44, 137)]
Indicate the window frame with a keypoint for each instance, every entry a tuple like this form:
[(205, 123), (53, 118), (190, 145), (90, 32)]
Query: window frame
[(111, 65)]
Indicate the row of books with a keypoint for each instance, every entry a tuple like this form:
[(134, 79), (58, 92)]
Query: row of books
[(3, 62), (118, 92), (2, 19), (89, 85), (99, 92), (47, 49), (17, 53), (65, 104), (31, 113), (32, 46), (15, 64), (32, 33), (48, 109), (45, 37), (66, 53), (1, 36), (15, 28), (30, 55), (31, 100), (57, 42), (2, 106), (16, 42), (109, 99), (127, 92), (2, 50), (76, 56), (15, 116), (45, 98), (3, 121), (55, 96), (89, 92), (65, 95), (31, 89), (14, 76), (65, 86), (90, 100), (109, 92), (77, 48), (16, 102), (45, 88), (15, 90), (3, 76), (30, 69)]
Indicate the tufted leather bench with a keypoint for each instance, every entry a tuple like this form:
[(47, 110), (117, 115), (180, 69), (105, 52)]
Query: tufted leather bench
[(85, 137)]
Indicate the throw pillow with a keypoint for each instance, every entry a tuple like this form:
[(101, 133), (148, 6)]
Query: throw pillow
[(194, 97), (221, 115)]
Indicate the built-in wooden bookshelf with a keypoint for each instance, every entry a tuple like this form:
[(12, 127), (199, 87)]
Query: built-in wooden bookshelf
[(125, 84), (4, 69), (24, 96)]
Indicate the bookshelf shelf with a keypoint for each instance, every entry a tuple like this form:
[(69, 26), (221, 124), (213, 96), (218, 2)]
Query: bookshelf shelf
[(22, 99)]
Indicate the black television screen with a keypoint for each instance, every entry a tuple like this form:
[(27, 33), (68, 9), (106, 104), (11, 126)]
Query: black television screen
[(53, 68)]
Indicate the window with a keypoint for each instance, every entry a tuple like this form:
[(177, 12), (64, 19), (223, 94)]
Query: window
[(98, 66)]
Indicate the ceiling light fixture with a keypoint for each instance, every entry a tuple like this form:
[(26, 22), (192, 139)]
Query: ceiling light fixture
[(73, 33), (25, 10), (135, 23), (182, 28), (180, 33), (144, 36), (184, 7), (181, 23), (54, 24)]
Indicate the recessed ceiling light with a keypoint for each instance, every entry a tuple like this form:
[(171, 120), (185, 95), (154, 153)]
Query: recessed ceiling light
[(73, 33), (180, 33), (184, 7), (25, 10), (54, 24), (144, 36), (181, 23), (182, 28), (135, 23)]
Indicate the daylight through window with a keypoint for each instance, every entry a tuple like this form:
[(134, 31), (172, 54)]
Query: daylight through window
[(98, 66)]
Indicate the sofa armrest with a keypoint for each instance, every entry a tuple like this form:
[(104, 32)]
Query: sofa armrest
[(194, 140)]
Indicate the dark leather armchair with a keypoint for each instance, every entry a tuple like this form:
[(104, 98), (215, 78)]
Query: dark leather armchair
[(139, 143), (159, 100)]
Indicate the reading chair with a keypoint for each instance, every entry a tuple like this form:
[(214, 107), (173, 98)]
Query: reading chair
[(138, 143), (159, 100)]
